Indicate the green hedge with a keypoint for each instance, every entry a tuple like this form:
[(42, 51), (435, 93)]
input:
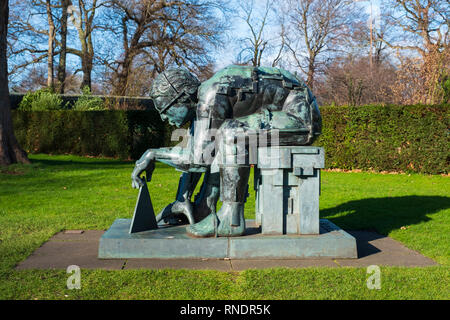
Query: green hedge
[(122, 134), (381, 138), (387, 138)]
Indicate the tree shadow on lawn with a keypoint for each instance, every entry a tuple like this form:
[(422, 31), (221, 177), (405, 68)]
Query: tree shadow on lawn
[(52, 184), (96, 162), (385, 214)]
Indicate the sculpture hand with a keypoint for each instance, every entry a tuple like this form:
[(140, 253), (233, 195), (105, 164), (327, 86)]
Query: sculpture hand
[(175, 209), (136, 180), (145, 163)]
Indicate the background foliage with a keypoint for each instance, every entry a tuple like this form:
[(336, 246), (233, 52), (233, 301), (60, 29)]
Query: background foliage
[(40, 100), (88, 102), (382, 138), (118, 133), (412, 138)]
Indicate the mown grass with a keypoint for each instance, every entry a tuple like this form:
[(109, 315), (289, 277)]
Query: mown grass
[(55, 193), (276, 283)]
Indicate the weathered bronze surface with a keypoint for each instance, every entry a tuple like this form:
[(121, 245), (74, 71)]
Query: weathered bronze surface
[(238, 102)]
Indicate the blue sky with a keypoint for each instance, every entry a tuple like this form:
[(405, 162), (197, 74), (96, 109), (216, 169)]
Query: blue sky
[(227, 53)]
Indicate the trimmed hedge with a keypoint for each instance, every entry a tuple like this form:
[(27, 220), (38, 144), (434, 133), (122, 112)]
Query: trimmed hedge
[(122, 134), (387, 138), (380, 138), (110, 102)]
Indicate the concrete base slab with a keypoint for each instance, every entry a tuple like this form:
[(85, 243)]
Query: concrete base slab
[(173, 242), (375, 249), (88, 235), (65, 249)]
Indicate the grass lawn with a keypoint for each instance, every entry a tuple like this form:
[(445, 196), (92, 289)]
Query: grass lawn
[(55, 193)]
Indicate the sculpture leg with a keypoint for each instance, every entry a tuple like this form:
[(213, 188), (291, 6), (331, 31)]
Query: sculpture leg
[(232, 159), (229, 221), (206, 200), (234, 192)]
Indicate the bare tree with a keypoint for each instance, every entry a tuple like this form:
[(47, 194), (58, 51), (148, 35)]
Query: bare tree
[(263, 39), (33, 78), (51, 36), (63, 54), (255, 44), (10, 151), (51, 44), (192, 34), (350, 80), (46, 21), (424, 24), (28, 35), (317, 27), (33, 38), (82, 17), (423, 28), (368, 34), (164, 32)]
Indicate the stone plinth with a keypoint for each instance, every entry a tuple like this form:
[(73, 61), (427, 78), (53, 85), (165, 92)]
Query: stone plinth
[(173, 242), (287, 184)]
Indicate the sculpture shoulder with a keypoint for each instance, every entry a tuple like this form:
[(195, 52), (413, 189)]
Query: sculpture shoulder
[(235, 76), (224, 87), (281, 74), (212, 93), (225, 77)]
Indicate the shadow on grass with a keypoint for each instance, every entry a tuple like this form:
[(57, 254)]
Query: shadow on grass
[(51, 184), (385, 214), (87, 163)]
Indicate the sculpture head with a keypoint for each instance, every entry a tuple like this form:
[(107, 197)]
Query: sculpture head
[(174, 94)]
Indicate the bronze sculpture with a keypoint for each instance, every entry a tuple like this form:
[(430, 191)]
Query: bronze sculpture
[(236, 101)]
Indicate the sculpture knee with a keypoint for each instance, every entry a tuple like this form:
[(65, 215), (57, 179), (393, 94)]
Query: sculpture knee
[(234, 183)]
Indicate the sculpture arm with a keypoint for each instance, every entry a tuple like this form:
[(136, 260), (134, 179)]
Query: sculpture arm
[(212, 110), (177, 157), (145, 163), (303, 105), (283, 121), (174, 155)]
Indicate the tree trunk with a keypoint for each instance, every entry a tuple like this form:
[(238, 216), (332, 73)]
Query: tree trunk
[(86, 67), (120, 89), (84, 24), (63, 53), (311, 73), (121, 86), (10, 151), (87, 58), (51, 41)]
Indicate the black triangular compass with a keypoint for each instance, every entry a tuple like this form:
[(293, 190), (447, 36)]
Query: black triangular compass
[(144, 216)]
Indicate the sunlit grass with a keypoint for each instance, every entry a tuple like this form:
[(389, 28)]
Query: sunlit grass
[(55, 193)]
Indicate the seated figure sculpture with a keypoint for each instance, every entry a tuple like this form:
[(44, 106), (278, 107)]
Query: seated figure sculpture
[(238, 100)]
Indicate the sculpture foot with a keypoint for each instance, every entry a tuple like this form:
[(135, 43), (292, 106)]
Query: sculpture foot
[(176, 213), (222, 225), (204, 228), (175, 221)]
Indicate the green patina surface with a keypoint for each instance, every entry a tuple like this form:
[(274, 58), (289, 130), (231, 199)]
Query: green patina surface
[(234, 104)]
